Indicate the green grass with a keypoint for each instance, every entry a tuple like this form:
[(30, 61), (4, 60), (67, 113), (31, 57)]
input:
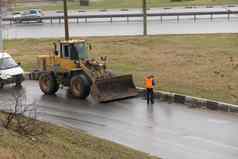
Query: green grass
[(109, 4), (199, 65), (60, 143)]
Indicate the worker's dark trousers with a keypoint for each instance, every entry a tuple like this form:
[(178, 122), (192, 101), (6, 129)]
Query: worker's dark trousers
[(150, 95)]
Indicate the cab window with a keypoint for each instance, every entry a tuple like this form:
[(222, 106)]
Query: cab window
[(66, 51), (74, 52), (82, 50)]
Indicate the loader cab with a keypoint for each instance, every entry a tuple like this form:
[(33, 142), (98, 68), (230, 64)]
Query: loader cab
[(74, 49)]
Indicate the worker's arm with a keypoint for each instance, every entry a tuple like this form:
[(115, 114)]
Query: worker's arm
[(158, 83)]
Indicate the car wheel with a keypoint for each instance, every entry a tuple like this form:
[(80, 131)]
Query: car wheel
[(1, 86), (18, 84)]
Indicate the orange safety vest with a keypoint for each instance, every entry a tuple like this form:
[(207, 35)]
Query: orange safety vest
[(149, 83)]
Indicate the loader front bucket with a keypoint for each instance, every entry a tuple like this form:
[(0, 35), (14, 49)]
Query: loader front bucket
[(114, 88)]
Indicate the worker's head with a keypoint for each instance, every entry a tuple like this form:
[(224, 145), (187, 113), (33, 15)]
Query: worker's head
[(150, 76)]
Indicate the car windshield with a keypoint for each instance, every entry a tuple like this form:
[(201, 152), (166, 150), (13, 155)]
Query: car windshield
[(33, 12), (6, 63)]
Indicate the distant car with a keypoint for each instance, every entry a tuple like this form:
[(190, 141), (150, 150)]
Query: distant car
[(10, 71), (16, 15), (32, 15)]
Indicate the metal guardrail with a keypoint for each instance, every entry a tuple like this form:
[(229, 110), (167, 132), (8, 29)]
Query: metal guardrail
[(127, 16)]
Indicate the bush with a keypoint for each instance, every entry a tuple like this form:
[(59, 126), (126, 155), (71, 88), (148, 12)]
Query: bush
[(21, 117)]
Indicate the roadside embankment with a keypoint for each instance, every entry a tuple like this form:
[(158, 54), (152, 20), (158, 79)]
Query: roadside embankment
[(61, 143)]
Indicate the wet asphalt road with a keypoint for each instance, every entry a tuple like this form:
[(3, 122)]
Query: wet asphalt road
[(118, 28), (139, 10), (171, 131)]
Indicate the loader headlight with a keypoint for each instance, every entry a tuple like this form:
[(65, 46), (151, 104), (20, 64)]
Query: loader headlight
[(77, 62)]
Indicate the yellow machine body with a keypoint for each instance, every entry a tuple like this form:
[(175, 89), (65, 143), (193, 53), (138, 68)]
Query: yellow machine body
[(46, 63), (71, 66)]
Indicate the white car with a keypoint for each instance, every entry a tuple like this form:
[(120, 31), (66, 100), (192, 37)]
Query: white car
[(10, 71), (32, 15)]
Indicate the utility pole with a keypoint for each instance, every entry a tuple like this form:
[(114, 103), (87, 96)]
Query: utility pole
[(66, 23), (1, 27), (144, 17)]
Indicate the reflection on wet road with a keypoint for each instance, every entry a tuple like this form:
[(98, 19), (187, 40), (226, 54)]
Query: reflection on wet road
[(168, 130)]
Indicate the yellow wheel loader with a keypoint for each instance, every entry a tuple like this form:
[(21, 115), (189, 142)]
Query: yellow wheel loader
[(71, 66)]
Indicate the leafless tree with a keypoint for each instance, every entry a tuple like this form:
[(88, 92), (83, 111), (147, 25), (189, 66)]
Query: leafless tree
[(21, 117)]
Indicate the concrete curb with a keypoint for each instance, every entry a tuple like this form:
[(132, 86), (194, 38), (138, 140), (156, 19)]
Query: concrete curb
[(190, 101)]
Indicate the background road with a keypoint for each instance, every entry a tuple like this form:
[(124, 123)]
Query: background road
[(170, 131), (185, 26), (139, 10), (119, 26)]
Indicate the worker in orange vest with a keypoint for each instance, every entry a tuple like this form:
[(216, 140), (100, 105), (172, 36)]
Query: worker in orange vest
[(150, 82)]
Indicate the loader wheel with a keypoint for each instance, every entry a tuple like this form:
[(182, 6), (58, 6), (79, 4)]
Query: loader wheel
[(48, 84), (80, 86)]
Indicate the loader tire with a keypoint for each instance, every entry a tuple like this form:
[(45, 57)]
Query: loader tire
[(48, 84), (80, 86)]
